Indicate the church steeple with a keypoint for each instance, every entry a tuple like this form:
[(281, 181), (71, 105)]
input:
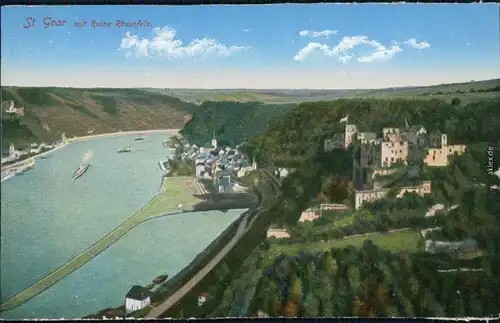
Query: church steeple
[(214, 140)]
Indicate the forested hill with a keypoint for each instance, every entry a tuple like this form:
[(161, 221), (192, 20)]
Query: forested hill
[(233, 122), (50, 111), (303, 130), (322, 275)]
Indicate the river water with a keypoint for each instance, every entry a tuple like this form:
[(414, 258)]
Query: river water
[(47, 219)]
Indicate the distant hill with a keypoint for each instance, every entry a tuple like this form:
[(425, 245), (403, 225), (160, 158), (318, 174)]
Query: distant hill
[(480, 91), (233, 122), (51, 111)]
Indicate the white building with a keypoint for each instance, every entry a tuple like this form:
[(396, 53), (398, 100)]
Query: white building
[(13, 110), (372, 195), (278, 233), (202, 298), (137, 298), (225, 185), (200, 168), (245, 170)]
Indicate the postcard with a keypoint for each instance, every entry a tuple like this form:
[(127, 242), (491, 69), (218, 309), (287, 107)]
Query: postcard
[(250, 161)]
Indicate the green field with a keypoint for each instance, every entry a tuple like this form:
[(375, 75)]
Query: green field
[(342, 219), (395, 241), (174, 191), (449, 91)]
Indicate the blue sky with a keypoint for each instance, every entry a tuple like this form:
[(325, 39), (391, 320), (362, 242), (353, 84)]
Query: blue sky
[(271, 46)]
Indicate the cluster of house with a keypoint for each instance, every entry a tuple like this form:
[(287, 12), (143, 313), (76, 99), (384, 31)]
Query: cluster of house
[(12, 154), (220, 164), (13, 111)]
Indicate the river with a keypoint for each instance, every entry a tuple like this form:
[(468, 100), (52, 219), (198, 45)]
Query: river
[(47, 219)]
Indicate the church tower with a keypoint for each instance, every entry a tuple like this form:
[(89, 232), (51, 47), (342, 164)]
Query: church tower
[(214, 141), (254, 164)]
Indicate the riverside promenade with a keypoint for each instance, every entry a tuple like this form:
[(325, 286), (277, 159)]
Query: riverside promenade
[(172, 192)]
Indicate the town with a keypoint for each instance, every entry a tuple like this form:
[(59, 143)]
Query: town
[(221, 165), (16, 161)]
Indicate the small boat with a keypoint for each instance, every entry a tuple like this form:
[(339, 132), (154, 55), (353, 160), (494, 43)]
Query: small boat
[(80, 171), (125, 150), (160, 279), (140, 137)]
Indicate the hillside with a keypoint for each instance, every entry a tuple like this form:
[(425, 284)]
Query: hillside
[(51, 111), (303, 130), (468, 92), (320, 272), (233, 122)]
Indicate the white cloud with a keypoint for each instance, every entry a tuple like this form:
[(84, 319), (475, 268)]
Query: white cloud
[(315, 34), (309, 49), (245, 30), (413, 43), (343, 50), (164, 44), (381, 53)]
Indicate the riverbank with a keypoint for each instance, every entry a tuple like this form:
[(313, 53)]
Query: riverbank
[(121, 133), (182, 301), (159, 205), (14, 169)]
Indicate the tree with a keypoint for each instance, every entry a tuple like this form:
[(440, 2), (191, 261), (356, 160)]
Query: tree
[(311, 306), (329, 264), (455, 101), (407, 306), (324, 292), (295, 291), (413, 286), (357, 307), (290, 309), (354, 278)]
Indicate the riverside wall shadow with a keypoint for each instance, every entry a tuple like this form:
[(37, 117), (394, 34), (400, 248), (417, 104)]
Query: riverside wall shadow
[(225, 201)]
